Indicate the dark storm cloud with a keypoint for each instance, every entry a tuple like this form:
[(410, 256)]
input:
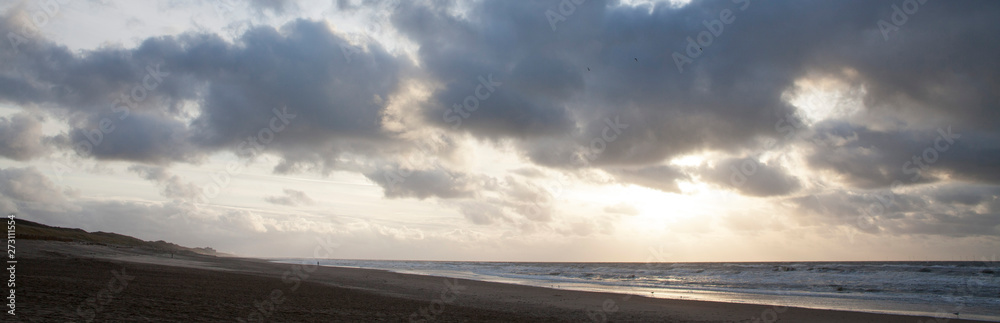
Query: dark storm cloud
[(296, 92), (328, 101), (607, 60), (940, 63), (139, 137), (709, 107), (37, 71), (498, 71), (490, 91)]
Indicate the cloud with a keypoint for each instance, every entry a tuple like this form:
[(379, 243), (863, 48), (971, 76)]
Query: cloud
[(171, 186), (952, 210), (399, 182), (528, 172), (302, 92), (971, 195), (601, 93), (663, 178), (548, 93), (750, 176), (26, 189), (510, 200), (482, 213), (290, 198), (867, 158), (21, 138), (528, 199), (621, 208), (732, 95), (28, 184), (276, 6), (513, 78)]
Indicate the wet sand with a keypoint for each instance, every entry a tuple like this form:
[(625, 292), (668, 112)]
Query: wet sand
[(59, 281)]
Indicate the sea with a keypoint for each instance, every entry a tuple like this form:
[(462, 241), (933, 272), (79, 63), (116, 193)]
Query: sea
[(938, 289)]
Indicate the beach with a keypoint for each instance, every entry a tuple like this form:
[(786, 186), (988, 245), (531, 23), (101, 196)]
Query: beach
[(66, 281)]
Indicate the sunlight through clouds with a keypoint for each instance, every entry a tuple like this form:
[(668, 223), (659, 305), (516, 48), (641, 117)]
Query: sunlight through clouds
[(427, 129)]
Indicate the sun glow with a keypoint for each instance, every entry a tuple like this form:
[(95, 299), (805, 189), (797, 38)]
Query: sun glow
[(826, 97)]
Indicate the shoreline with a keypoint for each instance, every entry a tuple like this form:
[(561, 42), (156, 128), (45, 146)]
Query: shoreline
[(195, 287), (697, 295)]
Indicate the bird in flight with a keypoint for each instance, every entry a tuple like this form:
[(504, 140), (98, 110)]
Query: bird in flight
[(636, 59), (588, 69)]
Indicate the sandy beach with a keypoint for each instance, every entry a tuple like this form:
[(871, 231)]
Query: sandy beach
[(76, 282)]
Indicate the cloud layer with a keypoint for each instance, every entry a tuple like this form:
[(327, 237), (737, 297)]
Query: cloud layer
[(610, 89)]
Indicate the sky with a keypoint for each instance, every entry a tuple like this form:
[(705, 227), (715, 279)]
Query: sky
[(495, 130)]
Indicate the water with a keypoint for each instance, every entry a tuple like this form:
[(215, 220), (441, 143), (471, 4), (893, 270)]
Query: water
[(912, 288)]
